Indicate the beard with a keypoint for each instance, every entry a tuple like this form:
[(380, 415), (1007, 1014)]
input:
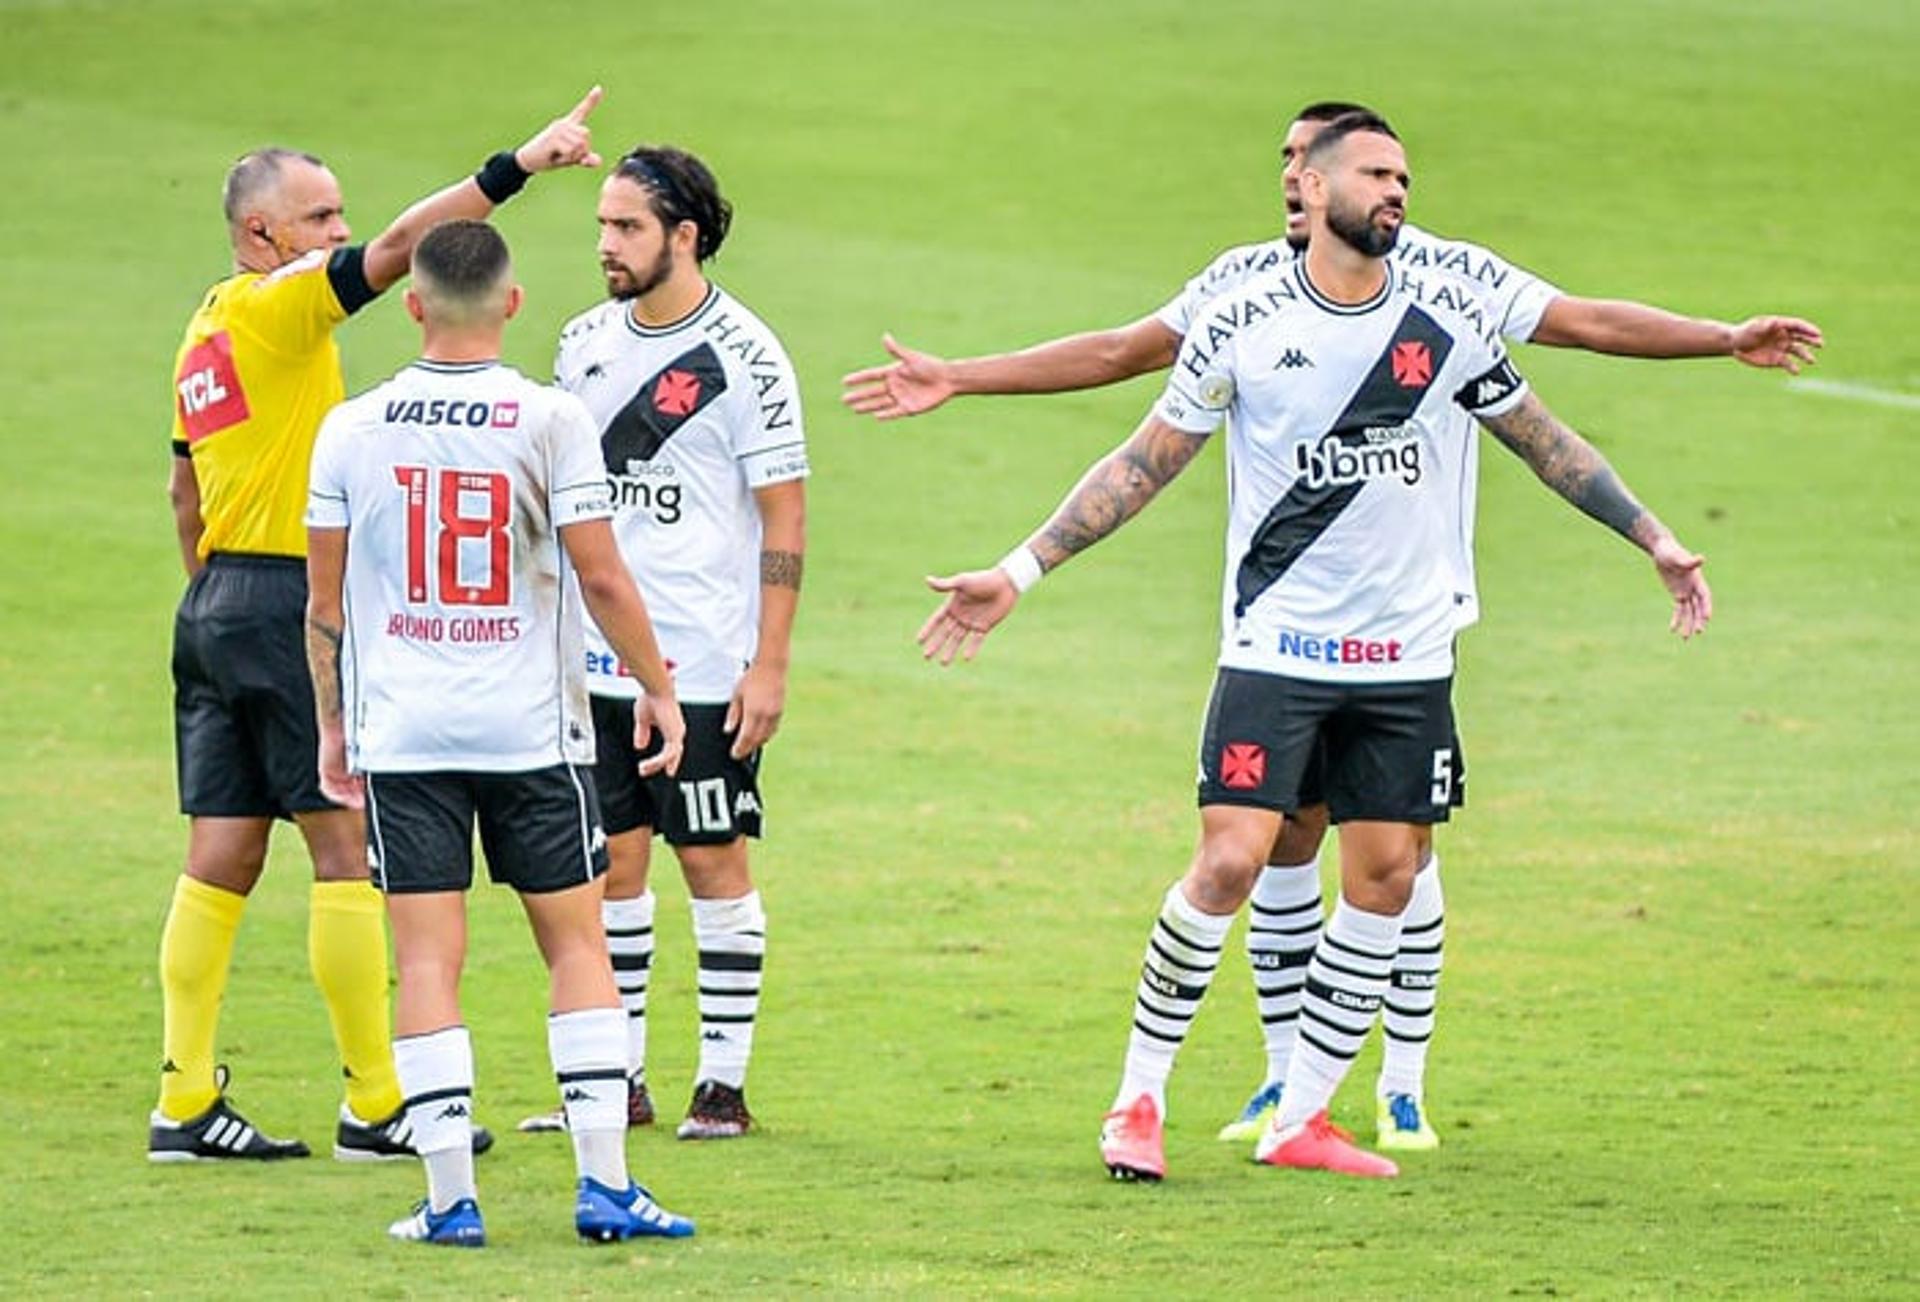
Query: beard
[(634, 284), (1358, 231)]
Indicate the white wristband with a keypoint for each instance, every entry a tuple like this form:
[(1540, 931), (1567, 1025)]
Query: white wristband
[(1023, 567)]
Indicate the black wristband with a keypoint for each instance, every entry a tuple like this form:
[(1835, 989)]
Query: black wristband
[(501, 177)]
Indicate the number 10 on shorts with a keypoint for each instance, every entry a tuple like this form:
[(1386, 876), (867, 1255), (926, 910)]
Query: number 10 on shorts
[(707, 805)]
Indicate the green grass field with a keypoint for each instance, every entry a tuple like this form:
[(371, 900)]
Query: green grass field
[(1678, 1035)]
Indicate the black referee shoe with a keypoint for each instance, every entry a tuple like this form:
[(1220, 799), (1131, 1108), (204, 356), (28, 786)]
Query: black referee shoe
[(217, 1135), (388, 1140)]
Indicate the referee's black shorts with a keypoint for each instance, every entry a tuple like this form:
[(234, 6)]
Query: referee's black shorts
[(245, 741)]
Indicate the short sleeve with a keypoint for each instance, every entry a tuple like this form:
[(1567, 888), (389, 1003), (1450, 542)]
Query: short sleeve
[(578, 485), (326, 484), (1518, 297), (769, 434), (1495, 386), (1200, 387), (1223, 273), (292, 309)]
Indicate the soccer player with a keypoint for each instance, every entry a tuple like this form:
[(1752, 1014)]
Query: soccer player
[(255, 373), (1286, 905), (1338, 610), (700, 427), (447, 508)]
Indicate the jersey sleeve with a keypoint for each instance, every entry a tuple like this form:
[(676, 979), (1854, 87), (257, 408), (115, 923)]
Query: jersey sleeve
[(1494, 385), (769, 435), (1518, 297), (1178, 313), (292, 309), (326, 486), (1200, 387), (577, 489)]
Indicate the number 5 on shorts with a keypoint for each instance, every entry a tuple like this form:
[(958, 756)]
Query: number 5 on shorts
[(1442, 791)]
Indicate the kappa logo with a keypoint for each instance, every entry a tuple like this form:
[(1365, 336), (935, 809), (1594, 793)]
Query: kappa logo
[(1412, 364), (598, 841), (1496, 385), (745, 803), (574, 1094), (1243, 765), (452, 1111), (676, 392), (721, 1036), (594, 371), (1292, 359)]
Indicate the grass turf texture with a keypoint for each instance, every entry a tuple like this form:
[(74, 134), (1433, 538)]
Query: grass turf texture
[(1676, 1049)]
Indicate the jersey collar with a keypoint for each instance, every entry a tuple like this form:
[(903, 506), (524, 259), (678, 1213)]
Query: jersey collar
[(453, 368), (654, 332), (1326, 304)]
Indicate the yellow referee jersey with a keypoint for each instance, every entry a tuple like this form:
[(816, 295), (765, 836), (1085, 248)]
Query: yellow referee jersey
[(256, 372)]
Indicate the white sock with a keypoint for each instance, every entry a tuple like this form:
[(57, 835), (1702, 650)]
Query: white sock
[(1282, 928), (1407, 1015), (1182, 955), (1345, 983), (589, 1052), (629, 925), (436, 1075), (731, 936)]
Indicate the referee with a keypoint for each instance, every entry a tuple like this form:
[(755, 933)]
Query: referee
[(257, 370)]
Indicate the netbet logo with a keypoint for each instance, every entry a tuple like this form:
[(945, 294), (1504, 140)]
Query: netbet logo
[(1390, 452), (1340, 650)]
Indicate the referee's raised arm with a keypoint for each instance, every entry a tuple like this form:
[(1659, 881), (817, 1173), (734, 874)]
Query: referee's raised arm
[(566, 141)]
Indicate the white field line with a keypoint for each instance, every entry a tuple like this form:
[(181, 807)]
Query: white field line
[(1857, 393)]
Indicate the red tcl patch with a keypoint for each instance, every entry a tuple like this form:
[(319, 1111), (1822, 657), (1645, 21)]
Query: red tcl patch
[(207, 390), (1243, 765)]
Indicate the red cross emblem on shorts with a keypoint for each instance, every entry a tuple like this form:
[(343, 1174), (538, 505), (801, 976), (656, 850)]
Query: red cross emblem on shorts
[(1243, 765), (1412, 364), (677, 393)]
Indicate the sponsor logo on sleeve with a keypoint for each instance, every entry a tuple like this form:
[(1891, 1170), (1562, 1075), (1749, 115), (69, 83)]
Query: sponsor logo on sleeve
[(208, 390)]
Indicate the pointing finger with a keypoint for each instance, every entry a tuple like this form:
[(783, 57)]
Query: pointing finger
[(585, 106)]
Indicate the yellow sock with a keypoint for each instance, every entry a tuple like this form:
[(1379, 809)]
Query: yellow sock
[(195, 950), (347, 946)]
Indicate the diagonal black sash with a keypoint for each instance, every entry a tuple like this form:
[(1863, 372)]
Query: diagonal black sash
[(1392, 390), (661, 406)]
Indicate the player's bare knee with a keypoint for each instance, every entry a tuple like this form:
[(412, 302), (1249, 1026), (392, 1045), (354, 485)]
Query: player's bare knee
[(337, 844), (1222, 875), (1300, 837), (628, 856), (716, 872), (227, 853)]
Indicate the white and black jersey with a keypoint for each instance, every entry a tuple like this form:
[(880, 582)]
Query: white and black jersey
[(1513, 297), (693, 417), (1344, 423), (463, 632)]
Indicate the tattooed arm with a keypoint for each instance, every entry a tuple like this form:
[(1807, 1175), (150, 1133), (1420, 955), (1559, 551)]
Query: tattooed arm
[(760, 698), (326, 628), (1574, 468), (1107, 496)]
